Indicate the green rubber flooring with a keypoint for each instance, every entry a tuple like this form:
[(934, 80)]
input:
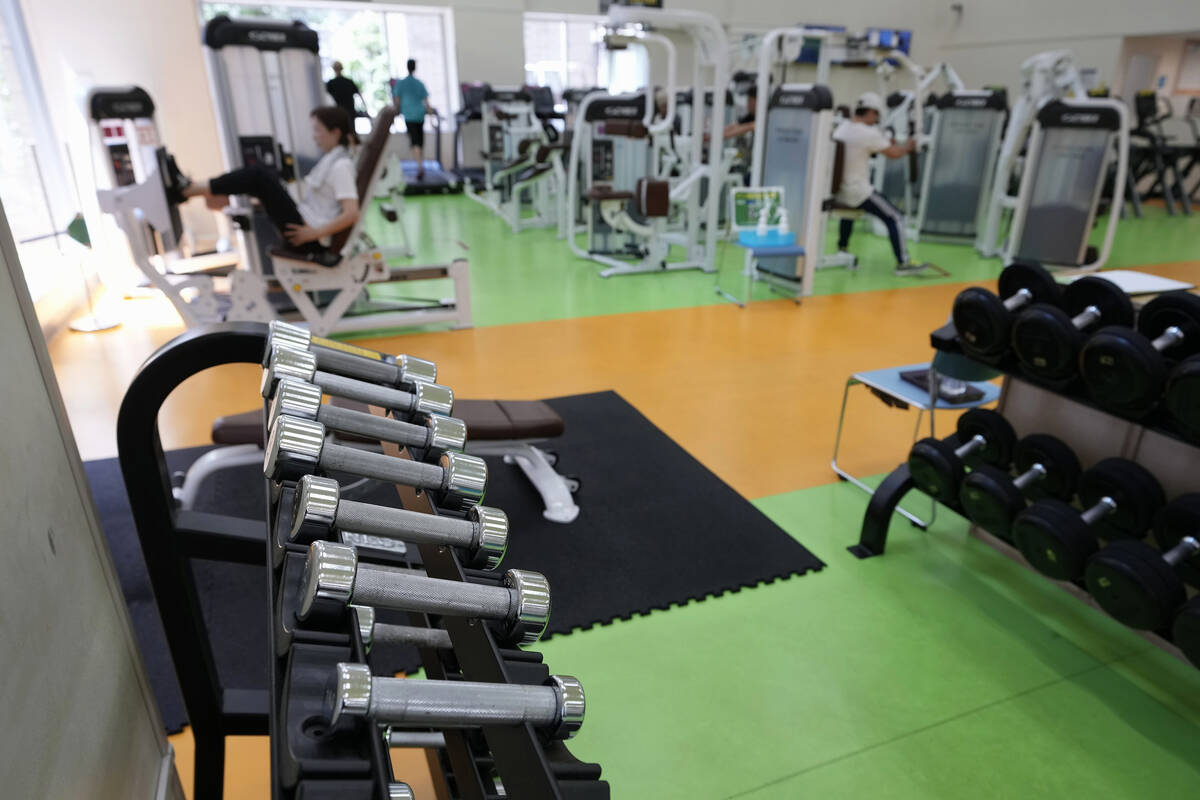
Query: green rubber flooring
[(939, 670), (533, 276)]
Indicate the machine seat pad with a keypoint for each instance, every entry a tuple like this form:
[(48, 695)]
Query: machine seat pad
[(327, 258), (505, 420), (533, 172), (603, 191), (247, 427)]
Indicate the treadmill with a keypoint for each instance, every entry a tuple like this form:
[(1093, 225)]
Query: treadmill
[(437, 179), (473, 94)]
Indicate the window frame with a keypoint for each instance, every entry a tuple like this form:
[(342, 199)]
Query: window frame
[(563, 19)]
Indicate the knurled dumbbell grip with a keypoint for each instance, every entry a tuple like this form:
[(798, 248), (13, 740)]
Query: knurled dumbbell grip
[(410, 526), (365, 369), (363, 423), (435, 638), (397, 701), (384, 587), (382, 467), (365, 392)]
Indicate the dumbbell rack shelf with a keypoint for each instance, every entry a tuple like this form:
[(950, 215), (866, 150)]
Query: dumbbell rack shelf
[(1049, 397)]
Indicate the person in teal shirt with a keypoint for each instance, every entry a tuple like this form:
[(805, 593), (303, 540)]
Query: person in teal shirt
[(412, 102)]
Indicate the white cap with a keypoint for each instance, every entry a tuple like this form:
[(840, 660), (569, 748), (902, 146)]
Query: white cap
[(870, 100)]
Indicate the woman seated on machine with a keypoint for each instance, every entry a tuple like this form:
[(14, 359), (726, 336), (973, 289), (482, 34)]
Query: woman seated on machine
[(329, 192)]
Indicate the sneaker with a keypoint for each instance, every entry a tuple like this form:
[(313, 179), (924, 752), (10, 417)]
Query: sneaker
[(176, 182), (910, 268)]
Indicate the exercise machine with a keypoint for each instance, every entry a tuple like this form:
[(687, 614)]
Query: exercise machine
[(794, 149), (265, 78), (627, 185), (522, 169), (1153, 156), (1068, 139), (125, 140)]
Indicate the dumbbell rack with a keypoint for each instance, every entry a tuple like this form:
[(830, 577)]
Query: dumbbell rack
[(353, 761), (1065, 410)]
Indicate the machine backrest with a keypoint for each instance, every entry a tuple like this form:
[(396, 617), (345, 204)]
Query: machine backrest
[(839, 166), (368, 160)]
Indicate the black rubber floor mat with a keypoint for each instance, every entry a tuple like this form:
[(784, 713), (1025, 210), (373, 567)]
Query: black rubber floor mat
[(656, 528)]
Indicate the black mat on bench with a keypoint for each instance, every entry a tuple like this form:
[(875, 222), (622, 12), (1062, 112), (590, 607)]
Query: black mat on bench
[(656, 529)]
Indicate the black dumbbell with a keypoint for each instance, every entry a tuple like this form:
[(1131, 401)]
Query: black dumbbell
[(984, 319), (1183, 397), (937, 465), (1126, 370), (1185, 632), (1120, 498), (991, 498), (1140, 586), (1047, 339)]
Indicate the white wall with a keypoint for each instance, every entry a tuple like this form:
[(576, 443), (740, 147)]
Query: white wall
[(990, 39)]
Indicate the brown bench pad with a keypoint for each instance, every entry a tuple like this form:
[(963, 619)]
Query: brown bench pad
[(504, 420)]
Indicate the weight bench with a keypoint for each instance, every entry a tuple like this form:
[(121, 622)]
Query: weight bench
[(511, 429), (360, 262)]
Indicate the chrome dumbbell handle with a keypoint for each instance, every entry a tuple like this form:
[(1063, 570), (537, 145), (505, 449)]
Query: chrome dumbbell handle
[(296, 398), (400, 791), (432, 638), (1104, 506), (351, 360), (1031, 475), (372, 632), (971, 445), (416, 739), (334, 575), (1172, 335), (319, 509), (557, 708), (1188, 546), (1085, 318), (1017, 299), (288, 362), (297, 446)]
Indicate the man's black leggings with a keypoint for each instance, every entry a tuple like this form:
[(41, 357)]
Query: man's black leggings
[(877, 205), (264, 184)]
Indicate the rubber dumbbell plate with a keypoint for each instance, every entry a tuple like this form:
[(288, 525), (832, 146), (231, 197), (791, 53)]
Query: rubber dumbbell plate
[(1183, 397), (1122, 371), (1173, 309), (1032, 276), (1136, 492), (935, 469), (1186, 630), (1134, 586), (1179, 519), (990, 500), (997, 432), (1054, 539), (1062, 467)]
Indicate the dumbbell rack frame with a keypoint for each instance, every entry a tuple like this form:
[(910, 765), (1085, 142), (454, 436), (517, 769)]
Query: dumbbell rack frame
[(1034, 406), (171, 538)]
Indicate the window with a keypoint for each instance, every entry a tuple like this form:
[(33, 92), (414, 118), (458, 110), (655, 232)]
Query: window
[(563, 51), (373, 41), (33, 181)]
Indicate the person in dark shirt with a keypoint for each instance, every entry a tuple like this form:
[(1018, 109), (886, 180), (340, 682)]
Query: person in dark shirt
[(343, 90), (745, 123)]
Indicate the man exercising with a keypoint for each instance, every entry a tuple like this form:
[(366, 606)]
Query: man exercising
[(343, 90), (861, 140), (412, 101)]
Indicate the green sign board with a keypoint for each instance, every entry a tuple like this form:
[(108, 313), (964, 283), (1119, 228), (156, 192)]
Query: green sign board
[(747, 204)]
